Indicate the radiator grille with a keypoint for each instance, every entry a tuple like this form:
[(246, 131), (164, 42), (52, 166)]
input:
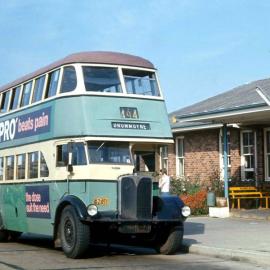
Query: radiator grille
[(136, 197), (144, 200), (128, 198)]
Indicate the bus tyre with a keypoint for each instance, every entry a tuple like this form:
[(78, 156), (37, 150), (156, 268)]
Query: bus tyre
[(13, 236), (74, 234), (3, 235), (171, 243)]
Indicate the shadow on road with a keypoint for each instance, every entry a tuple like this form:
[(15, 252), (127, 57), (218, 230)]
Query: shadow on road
[(101, 250), (192, 228)]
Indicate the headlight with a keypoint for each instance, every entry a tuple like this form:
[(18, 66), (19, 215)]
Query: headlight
[(186, 211), (92, 210)]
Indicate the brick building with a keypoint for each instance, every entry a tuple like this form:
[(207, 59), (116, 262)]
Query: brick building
[(243, 113)]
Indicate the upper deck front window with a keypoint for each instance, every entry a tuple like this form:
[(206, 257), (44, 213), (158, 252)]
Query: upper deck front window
[(101, 79), (141, 82)]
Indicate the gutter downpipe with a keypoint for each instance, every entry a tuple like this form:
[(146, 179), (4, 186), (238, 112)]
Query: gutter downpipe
[(225, 161)]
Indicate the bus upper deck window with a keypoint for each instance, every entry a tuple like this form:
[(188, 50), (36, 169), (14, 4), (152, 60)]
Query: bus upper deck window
[(52, 83), (4, 102), (69, 80), (14, 102), (38, 89), (101, 79), (141, 82), (26, 94)]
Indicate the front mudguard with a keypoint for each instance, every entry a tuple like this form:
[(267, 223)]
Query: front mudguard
[(168, 207)]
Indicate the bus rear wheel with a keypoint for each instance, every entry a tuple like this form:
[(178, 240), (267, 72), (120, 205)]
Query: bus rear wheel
[(74, 234), (3, 235), (13, 235), (170, 242)]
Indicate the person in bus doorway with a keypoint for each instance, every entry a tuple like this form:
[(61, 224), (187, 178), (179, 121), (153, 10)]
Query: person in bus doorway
[(164, 182)]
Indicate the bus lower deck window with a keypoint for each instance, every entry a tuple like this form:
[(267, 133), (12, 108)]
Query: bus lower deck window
[(33, 165), (44, 171), (78, 155), (9, 167), (1, 168), (20, 168)]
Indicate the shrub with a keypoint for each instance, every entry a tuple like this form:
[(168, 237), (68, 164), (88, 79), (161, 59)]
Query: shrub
[(193, 194), (196, 202)]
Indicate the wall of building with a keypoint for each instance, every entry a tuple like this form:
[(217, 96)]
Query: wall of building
[(203, 156)]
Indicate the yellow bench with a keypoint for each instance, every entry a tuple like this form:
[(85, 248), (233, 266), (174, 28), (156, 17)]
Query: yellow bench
[(239, 193)]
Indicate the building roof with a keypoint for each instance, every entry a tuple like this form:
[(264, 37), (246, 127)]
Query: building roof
[(239, 98), (113, 58)]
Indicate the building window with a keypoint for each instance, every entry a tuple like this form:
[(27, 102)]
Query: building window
[(248, 155), (164, 157), (267, 153), (221, 149), (180, 156), (20, 166)]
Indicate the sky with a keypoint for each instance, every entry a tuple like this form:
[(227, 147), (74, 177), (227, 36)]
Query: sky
[(200, 47)]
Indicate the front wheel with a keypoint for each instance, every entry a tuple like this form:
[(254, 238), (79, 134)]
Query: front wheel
[(170, 241), (75, 235)]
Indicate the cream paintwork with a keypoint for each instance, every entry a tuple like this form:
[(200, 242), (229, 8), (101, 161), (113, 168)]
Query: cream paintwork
[(80, 88), (48, 149)]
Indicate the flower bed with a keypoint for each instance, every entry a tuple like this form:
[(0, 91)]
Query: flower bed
[(196, 202)]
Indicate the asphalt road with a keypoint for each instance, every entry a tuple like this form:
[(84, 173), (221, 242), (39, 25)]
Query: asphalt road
[(31, 252)]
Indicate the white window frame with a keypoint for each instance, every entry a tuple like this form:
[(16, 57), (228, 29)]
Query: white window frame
[(164, 160), (243, 169), (178, 157), (266, 169), (221, 161)]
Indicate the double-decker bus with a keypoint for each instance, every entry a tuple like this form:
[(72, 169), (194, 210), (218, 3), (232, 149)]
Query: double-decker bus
[(70, 137)]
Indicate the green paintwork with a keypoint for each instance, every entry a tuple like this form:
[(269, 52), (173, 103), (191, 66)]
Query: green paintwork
[(13, 197), (93, 116)]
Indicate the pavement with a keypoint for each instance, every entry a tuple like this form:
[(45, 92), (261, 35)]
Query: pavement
[(236, 238)]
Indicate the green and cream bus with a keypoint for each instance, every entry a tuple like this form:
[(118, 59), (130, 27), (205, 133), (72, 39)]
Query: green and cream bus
[(70, 136)]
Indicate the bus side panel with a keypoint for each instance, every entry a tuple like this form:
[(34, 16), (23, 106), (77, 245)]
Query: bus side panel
[(101, 193), (13, 211), (31, 208)]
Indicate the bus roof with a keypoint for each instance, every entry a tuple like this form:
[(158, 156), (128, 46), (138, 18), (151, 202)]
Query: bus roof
[(98, 57)]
